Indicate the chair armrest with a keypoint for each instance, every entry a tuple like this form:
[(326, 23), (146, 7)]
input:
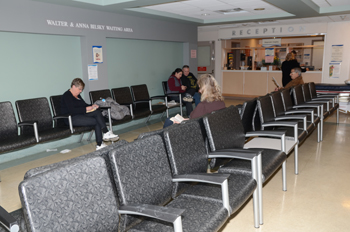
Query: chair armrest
[(8, 221), (208, 178), (234, 153), (153, 211), (273, 134), (104, 107), (306, 106), (217, 179), (142, 101), (304, 111), (161, 97), (300, 117), (279, 123), (69, 120), (35, 127), (172, 94)]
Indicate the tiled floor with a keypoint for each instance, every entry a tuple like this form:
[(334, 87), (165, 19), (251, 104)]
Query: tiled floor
[(318, 199)]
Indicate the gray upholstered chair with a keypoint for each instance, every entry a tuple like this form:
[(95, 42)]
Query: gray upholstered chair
[(9, 138), (142, 99), (166, 94), (143, 176), (38, 110), (226, 134), (123, 96), (103, 94), (299, 103), (188, 156), (78, 196)]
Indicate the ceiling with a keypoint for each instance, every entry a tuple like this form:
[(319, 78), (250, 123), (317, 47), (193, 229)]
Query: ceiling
[(223, 13)]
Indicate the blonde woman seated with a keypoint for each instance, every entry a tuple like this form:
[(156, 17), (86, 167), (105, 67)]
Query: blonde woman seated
[(211, 98)]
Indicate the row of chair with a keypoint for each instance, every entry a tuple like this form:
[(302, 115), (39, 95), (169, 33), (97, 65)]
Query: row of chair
[(143, 175), (38, 125)]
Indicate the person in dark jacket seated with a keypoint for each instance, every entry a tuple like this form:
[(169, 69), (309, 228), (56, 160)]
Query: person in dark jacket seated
[(190, 81), (85, 115), (211, 99), (175, 86)]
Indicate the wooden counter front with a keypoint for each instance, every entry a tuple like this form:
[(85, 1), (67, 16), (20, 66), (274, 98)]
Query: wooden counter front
[(247, 83)]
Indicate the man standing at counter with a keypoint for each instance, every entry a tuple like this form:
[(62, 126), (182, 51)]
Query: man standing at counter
[(190, 81)]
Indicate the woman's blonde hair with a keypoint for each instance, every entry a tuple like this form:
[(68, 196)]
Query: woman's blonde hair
[(210, 89), (290, 56)]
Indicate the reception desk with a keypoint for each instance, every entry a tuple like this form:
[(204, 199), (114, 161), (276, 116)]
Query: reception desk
[(248, 83)]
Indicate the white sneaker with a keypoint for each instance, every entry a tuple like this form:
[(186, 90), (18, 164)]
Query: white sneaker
[(187, 99), (109, 136), (101, 146)]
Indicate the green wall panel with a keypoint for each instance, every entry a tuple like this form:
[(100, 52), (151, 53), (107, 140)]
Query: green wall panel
[(133, 62)]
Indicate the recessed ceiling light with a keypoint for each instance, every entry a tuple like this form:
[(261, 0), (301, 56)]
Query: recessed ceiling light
[(205, 14), (231, 11), (259, 9)]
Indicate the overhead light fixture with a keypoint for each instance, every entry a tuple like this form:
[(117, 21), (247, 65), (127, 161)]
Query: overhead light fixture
[(205, 14), (259, 8), (231, 11)]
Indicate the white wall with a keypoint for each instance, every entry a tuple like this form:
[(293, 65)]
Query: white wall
[(337, 33)]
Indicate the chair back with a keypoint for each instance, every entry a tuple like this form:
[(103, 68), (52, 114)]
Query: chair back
[(298, 95), (36, 109), (165, 87), (265, 108), (75, 197), (306, 91), (247, 114), (142, 173), (312, 88), (287, 99), (224, 129), (186, 151), (56, 110), (122, 95), (99, 94), (277, 103), (140, 93), (8, 124)]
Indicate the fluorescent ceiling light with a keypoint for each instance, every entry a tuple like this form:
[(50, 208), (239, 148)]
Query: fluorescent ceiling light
[(267, 22), (231, 11), (103, 2)]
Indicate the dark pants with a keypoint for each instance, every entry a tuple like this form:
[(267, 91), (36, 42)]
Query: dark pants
[(167, 123), (188, 105), (92, 119)]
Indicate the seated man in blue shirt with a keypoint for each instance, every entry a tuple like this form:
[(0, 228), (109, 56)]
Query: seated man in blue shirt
[(190, 81)]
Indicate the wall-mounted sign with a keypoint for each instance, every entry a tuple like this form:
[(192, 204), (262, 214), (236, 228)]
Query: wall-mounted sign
[(193, 53), (92, 72), (271, 42), (202, 69), (337, 53), (269, 55), (334, 70), (97, 54), (91, 26)]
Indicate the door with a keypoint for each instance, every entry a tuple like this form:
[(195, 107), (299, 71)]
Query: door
[(206, 57)]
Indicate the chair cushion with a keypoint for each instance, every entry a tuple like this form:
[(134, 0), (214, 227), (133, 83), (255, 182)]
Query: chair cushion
[(240, 185), (16, 142), (271, 161), (200, 215)]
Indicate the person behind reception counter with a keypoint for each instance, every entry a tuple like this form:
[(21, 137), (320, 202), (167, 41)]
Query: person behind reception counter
[(296, 77), (287, 66)]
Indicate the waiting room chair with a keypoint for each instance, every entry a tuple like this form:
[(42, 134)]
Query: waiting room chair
[(123, 96), (142, 99), (165, 90), (153, 184), (9, 138), (38, 110), (56, 109), (188, 156)]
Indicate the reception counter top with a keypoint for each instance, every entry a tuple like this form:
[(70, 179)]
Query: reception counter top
[(253, 83)]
